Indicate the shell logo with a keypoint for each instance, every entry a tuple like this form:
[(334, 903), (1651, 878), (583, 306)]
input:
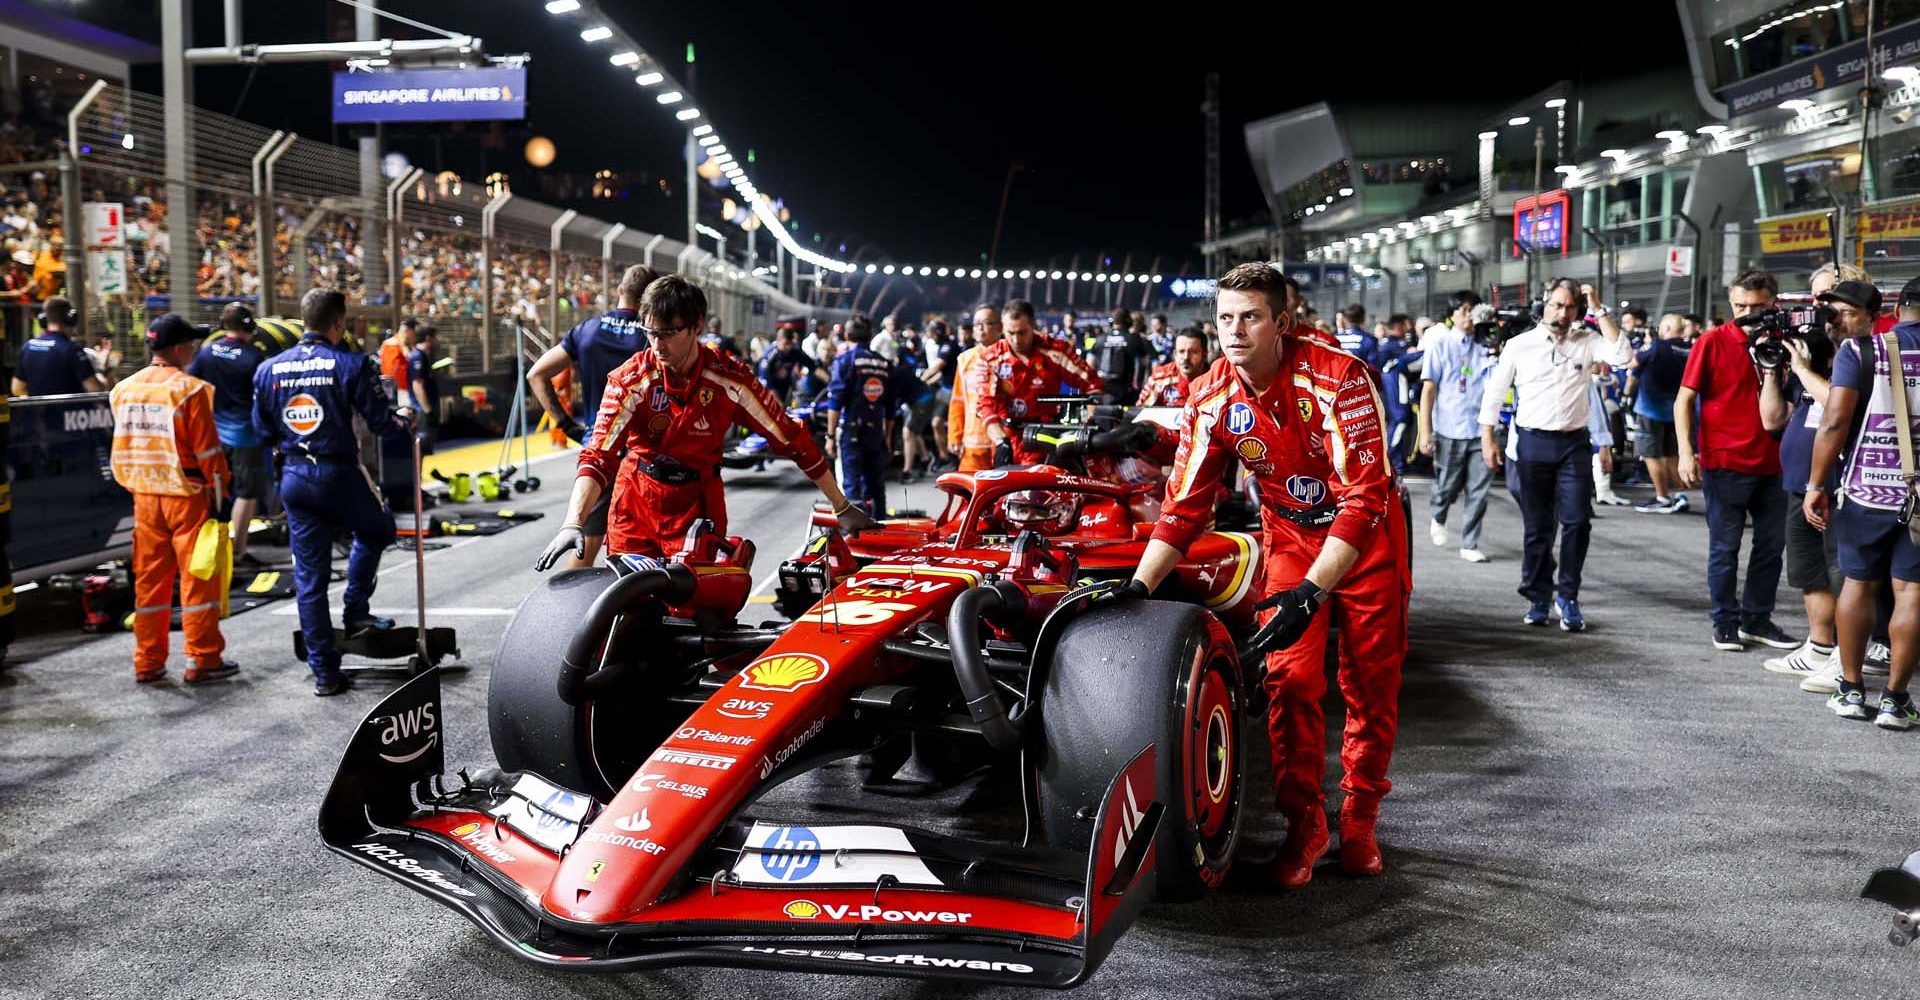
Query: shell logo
[(1251, 449), (465, 828), (302, 414), (801, 909), (783, 672)]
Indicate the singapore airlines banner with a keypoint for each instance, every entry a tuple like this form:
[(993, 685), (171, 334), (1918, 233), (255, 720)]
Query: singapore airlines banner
[(430, 95)]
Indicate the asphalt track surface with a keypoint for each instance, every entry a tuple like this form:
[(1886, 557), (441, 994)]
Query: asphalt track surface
[(1624, 813)]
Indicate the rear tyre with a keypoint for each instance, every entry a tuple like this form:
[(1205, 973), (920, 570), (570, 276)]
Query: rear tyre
[(1137, 673), (593, 747)]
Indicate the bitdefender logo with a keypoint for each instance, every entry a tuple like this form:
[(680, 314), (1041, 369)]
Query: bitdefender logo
[(402, 727)]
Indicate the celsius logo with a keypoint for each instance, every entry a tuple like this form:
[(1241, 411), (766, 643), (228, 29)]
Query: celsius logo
[(403, 726), (302, 414), (648, 782)]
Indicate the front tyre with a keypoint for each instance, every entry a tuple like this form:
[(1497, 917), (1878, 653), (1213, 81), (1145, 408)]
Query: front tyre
[(1126, 675)]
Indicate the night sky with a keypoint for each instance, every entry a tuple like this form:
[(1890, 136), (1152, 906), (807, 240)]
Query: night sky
[(892, 125)]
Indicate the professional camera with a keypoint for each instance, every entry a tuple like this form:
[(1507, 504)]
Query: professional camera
[(1505, 325), (1769, 330)]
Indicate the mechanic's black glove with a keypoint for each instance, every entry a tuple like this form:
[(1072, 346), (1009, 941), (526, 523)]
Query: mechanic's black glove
[(854, 519), (225, 513), (570, 540), (1296, 610), (1003, 453), (574, 430), (1136, 590)]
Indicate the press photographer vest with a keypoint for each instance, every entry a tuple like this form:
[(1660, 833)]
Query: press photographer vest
[(1873, 477)]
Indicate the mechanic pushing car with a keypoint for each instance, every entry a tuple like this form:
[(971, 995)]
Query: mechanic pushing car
[(1008, 380), (1304, 419), (304, 401), (661, 427)]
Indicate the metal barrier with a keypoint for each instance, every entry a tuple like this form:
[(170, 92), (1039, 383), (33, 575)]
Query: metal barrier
[(274, 214)]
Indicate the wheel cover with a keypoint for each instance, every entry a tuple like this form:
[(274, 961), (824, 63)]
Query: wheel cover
[(1211, 739)]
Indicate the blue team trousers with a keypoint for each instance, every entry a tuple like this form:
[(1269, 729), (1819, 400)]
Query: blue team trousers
[(863, 465), (320, 500)]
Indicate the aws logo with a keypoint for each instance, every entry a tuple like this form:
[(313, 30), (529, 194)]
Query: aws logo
[(402, 727), (783, 672)]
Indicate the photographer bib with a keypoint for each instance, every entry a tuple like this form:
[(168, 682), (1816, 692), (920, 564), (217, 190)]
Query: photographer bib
[(1873, 477)]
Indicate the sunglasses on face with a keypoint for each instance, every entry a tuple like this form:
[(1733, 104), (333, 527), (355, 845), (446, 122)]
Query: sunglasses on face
[(666, 333)]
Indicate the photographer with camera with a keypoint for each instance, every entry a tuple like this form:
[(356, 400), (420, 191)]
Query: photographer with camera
[(1452, 381), (1792, 407), (1554, 453), (1737, 464), (1876, 498)]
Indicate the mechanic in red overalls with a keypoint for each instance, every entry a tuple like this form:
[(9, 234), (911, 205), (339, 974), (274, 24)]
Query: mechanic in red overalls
[(1168, 384), (1303, 418), (1008, 379), (659, 434)]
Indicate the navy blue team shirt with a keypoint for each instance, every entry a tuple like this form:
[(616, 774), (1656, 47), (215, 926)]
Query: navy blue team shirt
[(304, 399), (228, 363), (597, 347)]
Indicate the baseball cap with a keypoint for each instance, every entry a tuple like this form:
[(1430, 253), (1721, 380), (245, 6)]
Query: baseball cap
[(170, 330), (1910, 295), (1859, 294), (23, 257)]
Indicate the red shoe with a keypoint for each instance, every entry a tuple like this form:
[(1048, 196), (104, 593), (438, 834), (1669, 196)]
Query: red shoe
[(153, 676), (1359, 851), (1306, 844)]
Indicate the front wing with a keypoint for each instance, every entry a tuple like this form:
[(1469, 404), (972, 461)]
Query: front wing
[(867, 899)]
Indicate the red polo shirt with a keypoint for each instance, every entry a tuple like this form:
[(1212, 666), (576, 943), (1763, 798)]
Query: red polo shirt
[(1721, 373)]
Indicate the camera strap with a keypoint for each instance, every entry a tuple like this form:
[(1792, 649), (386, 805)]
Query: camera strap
[(1897, 387)]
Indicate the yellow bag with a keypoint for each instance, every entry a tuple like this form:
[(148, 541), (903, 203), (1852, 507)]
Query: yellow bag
[(206, 550)]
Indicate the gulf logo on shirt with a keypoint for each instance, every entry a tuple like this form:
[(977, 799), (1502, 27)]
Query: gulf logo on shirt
[(873, 390), (302, 414)]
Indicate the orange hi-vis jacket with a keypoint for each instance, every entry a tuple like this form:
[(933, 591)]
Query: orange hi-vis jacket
[(164, 441)]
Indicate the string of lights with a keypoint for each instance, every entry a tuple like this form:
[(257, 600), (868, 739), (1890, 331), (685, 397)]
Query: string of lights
[(653, 75)]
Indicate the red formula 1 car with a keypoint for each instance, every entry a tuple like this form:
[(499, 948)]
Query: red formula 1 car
[(637, 727)]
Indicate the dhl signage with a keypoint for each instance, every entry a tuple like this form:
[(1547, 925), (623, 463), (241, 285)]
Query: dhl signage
[(1795, 233), (1900, 222)]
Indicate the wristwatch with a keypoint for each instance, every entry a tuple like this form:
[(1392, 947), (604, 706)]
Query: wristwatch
[(1816, 487)]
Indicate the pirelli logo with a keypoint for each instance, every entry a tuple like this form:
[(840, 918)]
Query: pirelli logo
[(710, 761)]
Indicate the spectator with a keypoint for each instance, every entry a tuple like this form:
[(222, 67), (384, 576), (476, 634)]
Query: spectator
[(52, 364), (1161, 337), (1554, 449), (394, 352), (103, 357), (1633, 324), (1659, 367), (1453, 379), (943, 360), (886, 343), (1737, 466), (1354, 338), (1871, 538)]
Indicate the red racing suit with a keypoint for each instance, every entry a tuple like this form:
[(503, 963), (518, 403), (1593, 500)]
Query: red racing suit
[(1004, 386), (1166, 386), (1314, 442), (653, 427)]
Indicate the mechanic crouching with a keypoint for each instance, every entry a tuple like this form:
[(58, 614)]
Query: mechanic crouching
[(1305, 420), (304, 400), (166, 453), (658, 437)]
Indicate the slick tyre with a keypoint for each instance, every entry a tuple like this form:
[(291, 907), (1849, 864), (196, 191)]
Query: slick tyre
[(593, 747), (1122, 677)]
